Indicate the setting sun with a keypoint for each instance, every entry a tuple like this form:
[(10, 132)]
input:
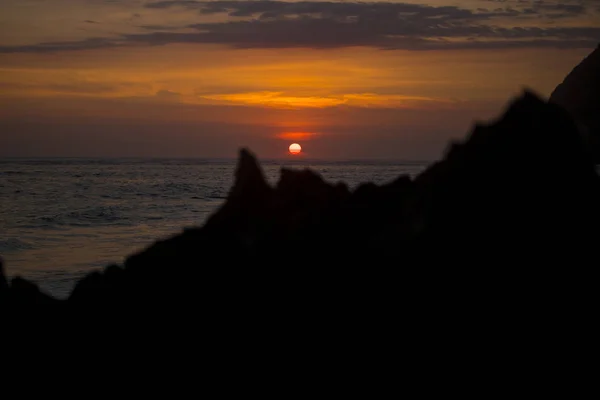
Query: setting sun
[(295, 148)]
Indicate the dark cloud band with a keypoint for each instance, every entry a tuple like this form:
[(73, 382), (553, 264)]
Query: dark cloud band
[(278, 24)]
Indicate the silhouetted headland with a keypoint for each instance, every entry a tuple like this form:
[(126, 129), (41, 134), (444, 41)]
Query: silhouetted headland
[(579, 94), (521, 188)]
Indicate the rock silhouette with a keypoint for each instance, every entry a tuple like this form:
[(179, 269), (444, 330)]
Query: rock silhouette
[(579, 94), (497, 213)]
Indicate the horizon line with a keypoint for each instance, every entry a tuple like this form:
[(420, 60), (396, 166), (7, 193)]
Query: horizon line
[(284, 158)]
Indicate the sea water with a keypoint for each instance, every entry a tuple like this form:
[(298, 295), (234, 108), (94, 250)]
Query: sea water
[(63, 218)]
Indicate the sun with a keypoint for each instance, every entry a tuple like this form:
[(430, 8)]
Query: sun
[(295, 148)]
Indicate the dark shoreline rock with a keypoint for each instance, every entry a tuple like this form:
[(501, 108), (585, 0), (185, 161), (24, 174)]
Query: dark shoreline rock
[(516, 196), (579, 94)]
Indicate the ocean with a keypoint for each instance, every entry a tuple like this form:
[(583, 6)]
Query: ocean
[(61, 218)]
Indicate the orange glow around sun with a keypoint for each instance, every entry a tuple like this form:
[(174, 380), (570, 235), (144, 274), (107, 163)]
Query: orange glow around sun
[(296, 135), (295, 148)]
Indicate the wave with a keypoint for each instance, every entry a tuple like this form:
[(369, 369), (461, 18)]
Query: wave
[(14, 244), (10, 172), (117, 161), (85, 218), (204, 161)]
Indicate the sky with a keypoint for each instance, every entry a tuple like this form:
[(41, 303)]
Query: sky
[(346, 80)]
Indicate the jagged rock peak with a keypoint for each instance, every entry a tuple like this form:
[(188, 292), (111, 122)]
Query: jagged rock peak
[(248, 174), (531, 136), (579, 92)]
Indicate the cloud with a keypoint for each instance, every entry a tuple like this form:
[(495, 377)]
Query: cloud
[(274, 99), (279, 9), (550, 9), (395, 101), (291, 101), (75, 88), (47, 47), (265, 9), (324, 25), (168, 95), (159, 27)]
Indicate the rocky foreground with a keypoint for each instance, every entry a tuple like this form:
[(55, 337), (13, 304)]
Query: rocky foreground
[(516, 203)]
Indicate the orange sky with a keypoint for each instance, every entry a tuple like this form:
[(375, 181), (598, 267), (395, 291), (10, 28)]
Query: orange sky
[(201, 79)]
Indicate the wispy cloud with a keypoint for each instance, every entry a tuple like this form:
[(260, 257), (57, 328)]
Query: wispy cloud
[(280, 24), (274, 99), (284, 100)]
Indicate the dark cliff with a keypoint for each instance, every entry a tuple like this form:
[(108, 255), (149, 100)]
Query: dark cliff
[(501, 208), (579, 94), (487, 258)]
